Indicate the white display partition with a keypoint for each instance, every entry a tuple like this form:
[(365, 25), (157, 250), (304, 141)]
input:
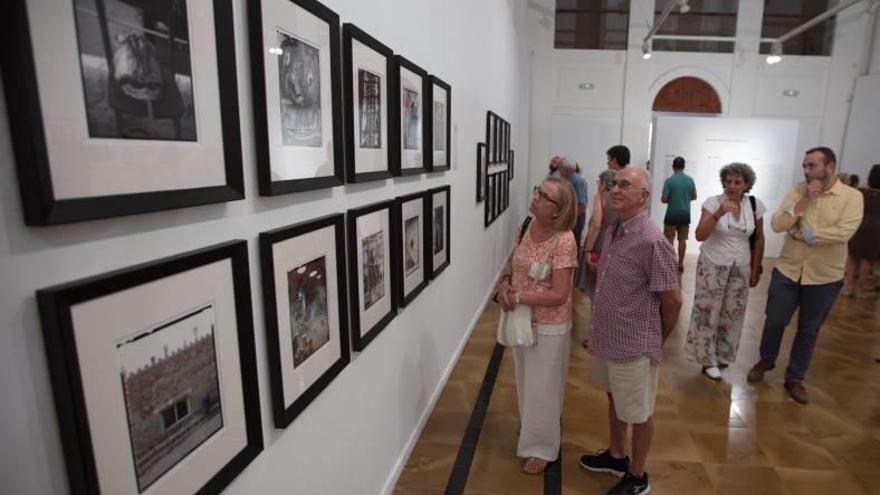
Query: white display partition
[(709, 143)]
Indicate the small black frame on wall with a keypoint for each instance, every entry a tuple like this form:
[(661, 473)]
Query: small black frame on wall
[(437, 251), (298, 126), (304, 294), (372, 285), (438, 116), (407, 118), (368, 66), (411, 216)]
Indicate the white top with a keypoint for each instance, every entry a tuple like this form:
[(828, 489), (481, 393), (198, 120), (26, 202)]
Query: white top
[(728, 244)]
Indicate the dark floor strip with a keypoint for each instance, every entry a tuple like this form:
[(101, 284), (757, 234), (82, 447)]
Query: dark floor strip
[(553, 477), (462, 466)]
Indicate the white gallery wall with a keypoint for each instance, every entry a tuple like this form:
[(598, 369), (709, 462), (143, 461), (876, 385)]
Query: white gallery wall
[(356, 435), (768, 146), (574, 118)]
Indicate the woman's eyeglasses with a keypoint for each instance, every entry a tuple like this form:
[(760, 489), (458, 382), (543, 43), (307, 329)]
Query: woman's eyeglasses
[(544, 196)]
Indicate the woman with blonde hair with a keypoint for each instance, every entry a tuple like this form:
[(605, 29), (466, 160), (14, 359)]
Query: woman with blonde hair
[(540, 276)]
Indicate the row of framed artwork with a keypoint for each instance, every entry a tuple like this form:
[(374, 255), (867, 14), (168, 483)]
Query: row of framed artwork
[(154, 367), (129, 106), (495, 166)]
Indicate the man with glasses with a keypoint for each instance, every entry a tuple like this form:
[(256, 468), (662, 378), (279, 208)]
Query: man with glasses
[(635, 308)]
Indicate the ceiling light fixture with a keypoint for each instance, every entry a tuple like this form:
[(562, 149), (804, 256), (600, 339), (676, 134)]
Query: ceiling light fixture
[(775, 53), (683, 6), (646, 50)]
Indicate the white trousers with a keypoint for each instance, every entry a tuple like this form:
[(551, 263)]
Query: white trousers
[(540, 372)]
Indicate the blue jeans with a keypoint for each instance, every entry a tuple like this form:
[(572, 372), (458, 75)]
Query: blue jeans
[(783, 298), (578, 229)]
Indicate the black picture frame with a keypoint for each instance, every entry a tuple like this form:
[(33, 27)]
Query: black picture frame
[(350, 34), (83, 338), (510, 164), (396, 137), (281, 245), (482, 167), (434, 81), (415, 202), (435, 198), (366, 327), (272, 150), (488, 210), (42, 147)]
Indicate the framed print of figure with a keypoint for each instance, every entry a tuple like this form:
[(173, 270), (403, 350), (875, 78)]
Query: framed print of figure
[(410, 219), (408, 124), (367, 67), (510, 165), (371, 288), (297, 90), (154, 374), (304, 291), (437, 250), (121, 106), (440, 122)]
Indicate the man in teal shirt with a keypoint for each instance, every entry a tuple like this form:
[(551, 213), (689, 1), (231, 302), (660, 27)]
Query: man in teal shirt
[(678, 192)]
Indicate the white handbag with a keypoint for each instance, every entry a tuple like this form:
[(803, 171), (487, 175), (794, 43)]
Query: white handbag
[(515, 327)]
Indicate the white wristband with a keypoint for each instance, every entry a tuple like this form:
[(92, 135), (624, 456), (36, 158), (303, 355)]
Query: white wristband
[(517, 298)]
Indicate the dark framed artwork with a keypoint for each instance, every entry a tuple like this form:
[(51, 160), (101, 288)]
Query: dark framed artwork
[(510, 165), (490, 136), (304, 293), (297, 90), (154, 374), (367, 68), (505, 191), (408, 122), (482, 167), (411, 230), (488, 204), (437, 252), (439, 118), (372, 284), (125, 108)]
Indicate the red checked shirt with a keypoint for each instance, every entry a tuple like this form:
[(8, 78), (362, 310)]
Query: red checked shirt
[(637, 263)]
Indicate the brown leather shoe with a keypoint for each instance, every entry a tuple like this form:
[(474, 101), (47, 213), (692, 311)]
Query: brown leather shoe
[(797, 392), (756, 374)]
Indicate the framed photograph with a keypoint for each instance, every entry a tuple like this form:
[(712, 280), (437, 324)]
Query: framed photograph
[(412, 230), (439, 118), (505, 190), (297, 90), (488, 204), (482, 168), (154, 374), (408, 123), (304, 291), (372, 284), (490, 136), (437, 250), (367, 66), (121, 106), (510, 165)]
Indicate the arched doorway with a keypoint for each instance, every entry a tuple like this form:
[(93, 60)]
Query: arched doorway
[(687, 94)]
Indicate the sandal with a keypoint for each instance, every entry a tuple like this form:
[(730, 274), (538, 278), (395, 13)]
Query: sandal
[(534, 465)]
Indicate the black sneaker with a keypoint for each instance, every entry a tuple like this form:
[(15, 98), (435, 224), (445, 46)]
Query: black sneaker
[(602, 462), (630, 485)]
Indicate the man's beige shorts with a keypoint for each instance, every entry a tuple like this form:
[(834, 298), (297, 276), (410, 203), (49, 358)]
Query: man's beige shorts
[(632, 384), (670, 231)]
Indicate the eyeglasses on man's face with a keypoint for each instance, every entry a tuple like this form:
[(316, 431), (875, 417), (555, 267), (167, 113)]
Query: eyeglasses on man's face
[(622, 184), (537, 191)]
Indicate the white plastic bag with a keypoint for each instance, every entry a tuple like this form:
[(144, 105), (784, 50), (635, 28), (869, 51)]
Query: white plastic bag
[(515, 327)]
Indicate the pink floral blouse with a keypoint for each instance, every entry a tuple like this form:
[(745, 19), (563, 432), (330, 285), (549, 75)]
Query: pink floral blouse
[(560, 251)]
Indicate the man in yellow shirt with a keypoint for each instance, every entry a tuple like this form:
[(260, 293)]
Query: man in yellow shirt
[(819, 216)]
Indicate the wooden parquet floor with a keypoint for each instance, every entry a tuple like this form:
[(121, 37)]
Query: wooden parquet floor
[(727, 437)]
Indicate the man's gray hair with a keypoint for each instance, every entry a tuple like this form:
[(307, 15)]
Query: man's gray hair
[(646, 176), (568, 163), (740, 169)]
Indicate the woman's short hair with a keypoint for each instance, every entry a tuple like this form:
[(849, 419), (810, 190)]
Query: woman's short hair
[(741, 170), (874, 177), (566, 208), (607, 176)]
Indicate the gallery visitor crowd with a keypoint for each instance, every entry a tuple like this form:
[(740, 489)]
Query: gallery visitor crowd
[(630, 270)]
